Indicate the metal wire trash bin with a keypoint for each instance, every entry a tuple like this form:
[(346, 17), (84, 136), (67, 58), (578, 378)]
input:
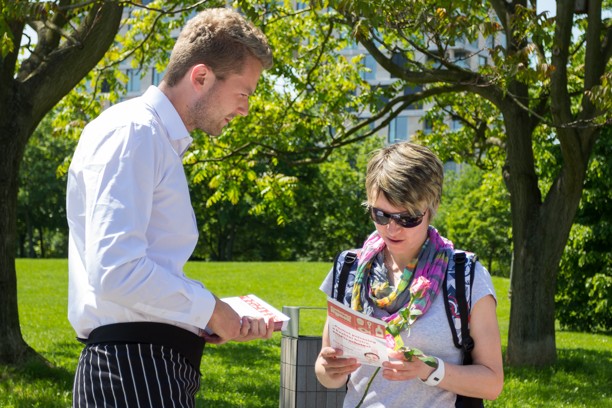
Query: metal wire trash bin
[(299, 387)]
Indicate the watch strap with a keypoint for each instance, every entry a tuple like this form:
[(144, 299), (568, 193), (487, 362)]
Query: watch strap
[(437, 375)]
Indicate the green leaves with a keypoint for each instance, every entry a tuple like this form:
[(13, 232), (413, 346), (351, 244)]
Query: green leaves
[(410, 353), (475, 215), (584, 286), (393, 329), (6, 38)]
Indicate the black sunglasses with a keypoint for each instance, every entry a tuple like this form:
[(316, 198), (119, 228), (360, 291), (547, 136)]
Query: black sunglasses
[(402, 219)]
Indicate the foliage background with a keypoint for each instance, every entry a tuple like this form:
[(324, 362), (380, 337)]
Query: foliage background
[(584, 296), (289, 187)]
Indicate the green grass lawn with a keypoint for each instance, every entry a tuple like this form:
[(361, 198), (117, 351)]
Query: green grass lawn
[(247, 374)]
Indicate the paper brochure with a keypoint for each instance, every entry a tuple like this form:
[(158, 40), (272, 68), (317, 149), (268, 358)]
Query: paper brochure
[(358, 335)]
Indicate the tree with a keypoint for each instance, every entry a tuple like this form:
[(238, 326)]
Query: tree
[(545, 86), (71, 40)]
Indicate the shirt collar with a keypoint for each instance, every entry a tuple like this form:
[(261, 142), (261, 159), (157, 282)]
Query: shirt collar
[(177, 132)]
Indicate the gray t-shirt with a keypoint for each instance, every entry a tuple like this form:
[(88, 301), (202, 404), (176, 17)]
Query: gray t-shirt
[(431, 334)]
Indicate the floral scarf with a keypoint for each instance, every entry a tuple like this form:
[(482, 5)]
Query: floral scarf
[(372, 283)]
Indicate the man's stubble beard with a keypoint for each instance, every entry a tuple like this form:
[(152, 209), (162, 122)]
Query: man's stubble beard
[(203, 113)]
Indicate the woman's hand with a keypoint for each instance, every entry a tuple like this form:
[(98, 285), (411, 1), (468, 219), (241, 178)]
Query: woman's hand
[(331, 368), (334, 365), (400, 369)]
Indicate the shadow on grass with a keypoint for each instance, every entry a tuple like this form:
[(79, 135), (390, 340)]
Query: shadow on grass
[(35, 383), (241, 375), (233, 375), (579, 378)]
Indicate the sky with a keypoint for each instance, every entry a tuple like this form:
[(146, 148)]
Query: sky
[(547, 5)]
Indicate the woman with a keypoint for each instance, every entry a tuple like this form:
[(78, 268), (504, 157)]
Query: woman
[(404, 188)]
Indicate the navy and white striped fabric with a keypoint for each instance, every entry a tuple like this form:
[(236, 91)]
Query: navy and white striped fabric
[(134, 375)]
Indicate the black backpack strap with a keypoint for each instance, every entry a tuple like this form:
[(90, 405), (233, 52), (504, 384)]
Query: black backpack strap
[(467, 343), (455, 290), (466, 340), (349, 260), (448, 304), (335, 272)]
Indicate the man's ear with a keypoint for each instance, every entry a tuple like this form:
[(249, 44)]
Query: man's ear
[(200, 74)]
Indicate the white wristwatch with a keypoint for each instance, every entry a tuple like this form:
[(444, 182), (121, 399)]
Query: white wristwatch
[(437, 375)]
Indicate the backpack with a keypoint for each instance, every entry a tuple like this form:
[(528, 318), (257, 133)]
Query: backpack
[(456, 289)]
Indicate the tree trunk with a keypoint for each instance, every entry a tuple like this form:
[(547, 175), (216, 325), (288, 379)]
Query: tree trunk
[(41, 81), (540, 229), (12, 346), (29, 229), (531, 336), (41, 240)]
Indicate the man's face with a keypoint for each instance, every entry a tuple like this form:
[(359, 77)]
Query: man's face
[(225, 98)]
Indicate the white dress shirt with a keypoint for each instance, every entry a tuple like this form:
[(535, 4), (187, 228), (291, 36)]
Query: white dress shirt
[(132, 226)]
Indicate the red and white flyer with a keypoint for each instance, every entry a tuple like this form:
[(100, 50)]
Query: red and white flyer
[(357, 335), (251, 305)]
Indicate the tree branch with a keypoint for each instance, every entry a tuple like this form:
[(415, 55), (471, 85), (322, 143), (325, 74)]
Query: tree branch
[(499, 6), (63, 67), (344, 137), (560, 107), (607, 44)]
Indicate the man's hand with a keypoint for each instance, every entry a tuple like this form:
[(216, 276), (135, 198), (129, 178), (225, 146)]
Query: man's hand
[(224, 323), (255, 328)]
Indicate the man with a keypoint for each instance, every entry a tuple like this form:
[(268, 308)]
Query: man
[(132, 226)]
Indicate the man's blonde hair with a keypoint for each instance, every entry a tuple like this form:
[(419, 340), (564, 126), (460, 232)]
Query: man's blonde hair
[(221, 39)]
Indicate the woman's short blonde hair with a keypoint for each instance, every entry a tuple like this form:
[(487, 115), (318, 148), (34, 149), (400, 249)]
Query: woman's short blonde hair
[(221, 39), (409, 176)]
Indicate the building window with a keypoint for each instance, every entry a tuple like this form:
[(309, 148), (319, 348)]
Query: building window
[(352, 44), (482, 60), (156, 77), (384, 97), (409, 90), (370, 65), (400, 60), (133, 84), (434, 61), (462, 59), (398, 129), (105, 88)]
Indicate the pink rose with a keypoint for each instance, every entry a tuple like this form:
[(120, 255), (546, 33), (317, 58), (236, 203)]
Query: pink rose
[(390, 341), (419, 286)]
